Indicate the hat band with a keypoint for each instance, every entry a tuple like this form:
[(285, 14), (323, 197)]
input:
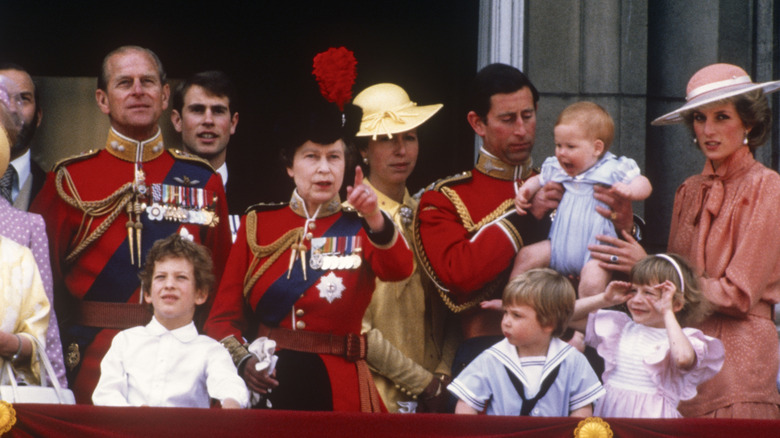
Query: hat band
[(376, 121), (698, 91)]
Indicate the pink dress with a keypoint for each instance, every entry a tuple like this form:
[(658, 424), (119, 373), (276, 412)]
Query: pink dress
[(640, 380), (725, 222)]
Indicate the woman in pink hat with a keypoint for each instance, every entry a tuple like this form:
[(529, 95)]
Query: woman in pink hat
[(725, 221)]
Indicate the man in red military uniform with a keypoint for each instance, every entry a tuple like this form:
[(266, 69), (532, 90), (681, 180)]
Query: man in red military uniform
[(467, 229), (104, 209)]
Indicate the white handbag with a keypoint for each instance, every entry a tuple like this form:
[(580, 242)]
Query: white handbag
[(14, 393)]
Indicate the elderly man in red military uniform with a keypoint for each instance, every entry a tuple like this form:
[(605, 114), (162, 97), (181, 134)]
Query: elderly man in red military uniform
[(467, 229), (105, 208)]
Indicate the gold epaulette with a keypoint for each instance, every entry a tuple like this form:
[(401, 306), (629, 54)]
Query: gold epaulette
[(186, 156), (265, 206), (451, 180), (74, 158)]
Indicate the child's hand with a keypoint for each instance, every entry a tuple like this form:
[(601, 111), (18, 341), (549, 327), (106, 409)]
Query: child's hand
[(618, 292), (229, 403), (622, 189), (665, 303), (492, 305), (523, 201)]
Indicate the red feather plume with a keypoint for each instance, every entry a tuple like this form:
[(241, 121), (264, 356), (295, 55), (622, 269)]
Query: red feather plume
[(335, 70)]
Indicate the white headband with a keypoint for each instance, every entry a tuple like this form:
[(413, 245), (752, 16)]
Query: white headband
[(676, 268)]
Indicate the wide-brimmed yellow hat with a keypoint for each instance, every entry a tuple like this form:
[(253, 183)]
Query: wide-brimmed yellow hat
[(713, 83), (387, 110)]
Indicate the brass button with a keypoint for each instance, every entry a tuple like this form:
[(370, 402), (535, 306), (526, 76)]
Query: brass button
[(300, 325), (299, 312)]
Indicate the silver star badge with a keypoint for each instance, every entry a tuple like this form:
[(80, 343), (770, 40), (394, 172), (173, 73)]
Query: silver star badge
[(330, 287)]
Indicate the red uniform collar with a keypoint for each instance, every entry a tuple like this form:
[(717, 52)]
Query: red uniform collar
[(128, 149)]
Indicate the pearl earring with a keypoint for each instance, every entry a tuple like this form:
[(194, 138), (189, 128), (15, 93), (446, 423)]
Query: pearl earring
[(695, 140), (365, 160), (745, 140)]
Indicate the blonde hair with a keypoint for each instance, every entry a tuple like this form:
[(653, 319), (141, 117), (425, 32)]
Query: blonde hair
[(655, 269), (549, 293), (592, 118)]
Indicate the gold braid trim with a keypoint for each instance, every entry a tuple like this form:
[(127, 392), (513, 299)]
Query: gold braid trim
[(470, 226), (111, 206), (274, 250), (463, 211)]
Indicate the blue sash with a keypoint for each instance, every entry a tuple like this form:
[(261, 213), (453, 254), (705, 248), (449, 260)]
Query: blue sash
[(118, 279), (282, 294)]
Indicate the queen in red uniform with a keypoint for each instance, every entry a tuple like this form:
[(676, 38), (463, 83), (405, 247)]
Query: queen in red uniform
[(302, 273)]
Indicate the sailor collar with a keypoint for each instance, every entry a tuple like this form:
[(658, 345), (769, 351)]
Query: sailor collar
[(328, 209), (492, 166), (134, 151)]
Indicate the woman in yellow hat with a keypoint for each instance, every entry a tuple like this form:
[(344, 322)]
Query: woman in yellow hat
[(410, 346)]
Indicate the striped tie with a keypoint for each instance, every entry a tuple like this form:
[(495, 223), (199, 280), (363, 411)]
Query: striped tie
[(6, 183)]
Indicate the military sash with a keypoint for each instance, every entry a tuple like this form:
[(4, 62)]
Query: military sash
[(282, 294)]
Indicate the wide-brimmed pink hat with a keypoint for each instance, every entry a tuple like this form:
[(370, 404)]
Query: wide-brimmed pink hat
[(713, 83)]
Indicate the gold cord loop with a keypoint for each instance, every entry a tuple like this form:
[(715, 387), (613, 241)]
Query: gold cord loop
[(259, 251), (468, 223), (111, 206)]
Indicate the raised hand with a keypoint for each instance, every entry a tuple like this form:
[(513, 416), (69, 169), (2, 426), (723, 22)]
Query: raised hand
[(365, 202), (665, 302), (618, 292)]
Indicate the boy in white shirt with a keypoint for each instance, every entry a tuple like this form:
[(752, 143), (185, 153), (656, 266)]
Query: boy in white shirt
[(167, 363), (531, 371)]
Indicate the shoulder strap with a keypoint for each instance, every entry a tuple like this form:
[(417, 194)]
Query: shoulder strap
[(528, 405)]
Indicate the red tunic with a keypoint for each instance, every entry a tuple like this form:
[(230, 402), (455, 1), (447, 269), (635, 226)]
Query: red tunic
[(103, 271), (276, 301), (467, 261)]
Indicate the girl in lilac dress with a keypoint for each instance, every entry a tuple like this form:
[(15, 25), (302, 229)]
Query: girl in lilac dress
[(651, 361)]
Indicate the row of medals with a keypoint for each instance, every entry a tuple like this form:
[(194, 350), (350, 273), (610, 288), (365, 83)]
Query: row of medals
[(333, 261), (172, 211)]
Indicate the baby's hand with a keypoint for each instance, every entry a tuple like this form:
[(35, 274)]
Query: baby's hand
[(523, 201), (492, 305), (665, 303), (622, 189), (618, 292)]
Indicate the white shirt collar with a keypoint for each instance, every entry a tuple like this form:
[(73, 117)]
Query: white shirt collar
[(185, 333), (223, 172)]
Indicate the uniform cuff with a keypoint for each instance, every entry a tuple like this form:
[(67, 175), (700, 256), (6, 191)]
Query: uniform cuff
[(238, 351), (382, 238)]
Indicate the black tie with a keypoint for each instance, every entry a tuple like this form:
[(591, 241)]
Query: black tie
[(6, 183)]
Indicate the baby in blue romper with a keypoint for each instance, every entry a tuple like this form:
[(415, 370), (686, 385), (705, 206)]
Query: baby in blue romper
[(583, 135)]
